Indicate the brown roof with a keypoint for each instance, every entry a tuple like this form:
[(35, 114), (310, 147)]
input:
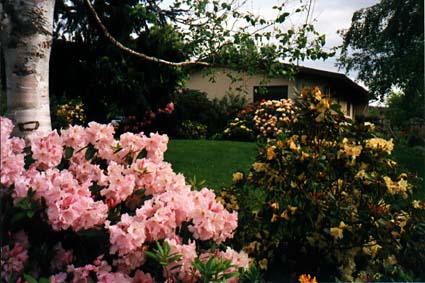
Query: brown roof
[(340, 82)]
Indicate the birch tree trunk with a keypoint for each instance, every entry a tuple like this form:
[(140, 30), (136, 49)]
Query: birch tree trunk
[(26, 38)]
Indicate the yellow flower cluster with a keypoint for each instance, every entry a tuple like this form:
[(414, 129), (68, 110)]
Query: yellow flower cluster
[(72, 113), (401, 187), (349, 149), (259, 166), (237, 124), (371, 248), (338, 232), (381, 144), (418, 204), (237, 177), (228, 200), (285, 214), (401, 220), (271, 154)]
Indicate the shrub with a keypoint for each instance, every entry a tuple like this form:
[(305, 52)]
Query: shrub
[(194, 106), (242, 127), (192, 130), (324, 197), (239, 130), (69, 113), (274, 117), (81, 206)]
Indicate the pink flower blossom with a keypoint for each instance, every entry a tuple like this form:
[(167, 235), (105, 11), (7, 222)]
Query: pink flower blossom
[(131, 261), (141, 277), (102, 137), (121, 186), (13, 260), (81, 274), (210, 219), (11, 156), (188, 253), (46, 150), (156, 145), (62, 257), (75, 137)]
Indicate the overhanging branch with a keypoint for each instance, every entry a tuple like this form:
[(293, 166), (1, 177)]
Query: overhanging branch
[(143, 56)]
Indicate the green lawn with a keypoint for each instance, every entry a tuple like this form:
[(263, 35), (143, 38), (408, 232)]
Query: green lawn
[(411, 159), (414, 161), (213, 161)]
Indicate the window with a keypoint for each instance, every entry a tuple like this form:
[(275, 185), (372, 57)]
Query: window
[(348, 108), (274, 92)]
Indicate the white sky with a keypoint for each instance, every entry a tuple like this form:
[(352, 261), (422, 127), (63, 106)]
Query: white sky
[(329, 17)]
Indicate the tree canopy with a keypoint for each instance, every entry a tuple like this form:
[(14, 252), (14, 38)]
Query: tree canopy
[(385, 44), (217, 32)]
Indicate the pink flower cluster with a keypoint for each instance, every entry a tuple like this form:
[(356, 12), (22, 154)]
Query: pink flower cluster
[(117, 169), (46, 150), (11, 156), (169, 108), (69, 203), (103, 273), (62, 257), (13, 260), (160, 216), (188, 255)]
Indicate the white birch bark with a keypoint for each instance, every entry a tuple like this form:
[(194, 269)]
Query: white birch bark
[(26, 38)]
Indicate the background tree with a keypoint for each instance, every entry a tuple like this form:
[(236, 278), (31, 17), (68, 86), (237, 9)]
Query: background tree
[(190, 30), (385, 44)]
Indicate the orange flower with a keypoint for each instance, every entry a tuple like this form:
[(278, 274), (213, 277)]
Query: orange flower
[(306, 278), (270, 153)]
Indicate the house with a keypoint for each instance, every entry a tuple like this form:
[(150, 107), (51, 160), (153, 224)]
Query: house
[(352, 97)]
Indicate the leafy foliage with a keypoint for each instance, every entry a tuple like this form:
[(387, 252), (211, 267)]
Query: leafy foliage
[(191, 130), (213, 270), (385, 44), (326, 193), (112, 83), (242, 127), (60, 220)]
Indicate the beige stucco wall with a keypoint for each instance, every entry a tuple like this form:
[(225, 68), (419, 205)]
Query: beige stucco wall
[(222, 84)]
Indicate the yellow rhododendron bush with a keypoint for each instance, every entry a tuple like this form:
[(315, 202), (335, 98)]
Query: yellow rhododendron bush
[(324, 197)]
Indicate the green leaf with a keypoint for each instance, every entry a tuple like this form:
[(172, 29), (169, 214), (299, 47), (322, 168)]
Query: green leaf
[(151, 254), (18, 216), (69, 151), (45, 280), (95, 188), (30, 213), (29, 278), (282, 18), (142, 154), (24, 204), (90, 152)]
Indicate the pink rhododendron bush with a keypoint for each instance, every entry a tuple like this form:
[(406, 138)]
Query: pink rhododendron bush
[(80, 206)]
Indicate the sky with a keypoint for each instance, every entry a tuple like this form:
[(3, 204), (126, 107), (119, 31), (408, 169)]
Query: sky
[(329, 17)]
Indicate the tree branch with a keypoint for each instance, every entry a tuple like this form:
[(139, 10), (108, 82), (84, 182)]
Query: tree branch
[(143, 56)]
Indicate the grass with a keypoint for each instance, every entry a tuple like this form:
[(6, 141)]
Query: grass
[(216, 161), (413, 159), (213, 161)]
